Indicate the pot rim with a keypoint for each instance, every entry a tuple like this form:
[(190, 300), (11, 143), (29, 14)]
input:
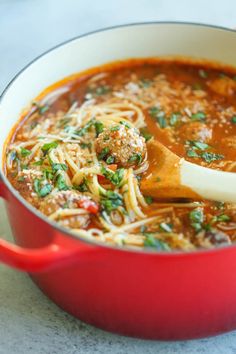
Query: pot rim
[(66, 232)]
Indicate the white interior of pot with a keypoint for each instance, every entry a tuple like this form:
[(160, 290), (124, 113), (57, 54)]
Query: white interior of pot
[(144, 40)]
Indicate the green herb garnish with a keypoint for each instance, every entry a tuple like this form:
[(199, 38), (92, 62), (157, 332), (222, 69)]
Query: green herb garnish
[(59, 167), (61, 183), (38, 163), (102, 90), (174, 117), (127, 125), (135, 158), (114, 177), (24, 152), (202, 73), (192, 153), (199, 116), (21, 179), (98, 127), (148, 199), (83, 187), (210, 156), (196, 217), (42, 190), (198, 145), (110, 160), (145, 83), (233, 119), (115, 128), (153, 242), (145, 133), (49, 146), (111, 201), (105, 151), (85, 145)]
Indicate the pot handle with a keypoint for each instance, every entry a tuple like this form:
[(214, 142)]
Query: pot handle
[(37, 259), (33, 260)]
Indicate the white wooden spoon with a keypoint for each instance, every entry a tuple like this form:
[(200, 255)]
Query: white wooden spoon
[(170, 176)]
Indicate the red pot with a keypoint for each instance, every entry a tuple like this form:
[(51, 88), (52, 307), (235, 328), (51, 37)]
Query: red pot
[(135, 293)]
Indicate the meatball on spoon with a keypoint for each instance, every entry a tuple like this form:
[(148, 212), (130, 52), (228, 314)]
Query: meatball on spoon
[(170, 176)]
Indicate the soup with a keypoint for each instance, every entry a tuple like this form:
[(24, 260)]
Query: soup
[(80, 152)]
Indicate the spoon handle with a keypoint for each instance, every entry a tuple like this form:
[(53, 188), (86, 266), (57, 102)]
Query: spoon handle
[(209, 183)]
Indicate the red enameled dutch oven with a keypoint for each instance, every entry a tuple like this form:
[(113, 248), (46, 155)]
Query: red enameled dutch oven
[(135, 293)]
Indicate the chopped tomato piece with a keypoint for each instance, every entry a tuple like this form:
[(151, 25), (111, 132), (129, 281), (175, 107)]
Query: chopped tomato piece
[(89, 205)]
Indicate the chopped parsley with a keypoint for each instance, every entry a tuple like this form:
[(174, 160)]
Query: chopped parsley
[(111, 201), (114, 128), (192, 153), (126, 124), (202, 73), (49, 146), (220, 218), (135, 158), (85, 145), (233, 119), (12, 156), (82, 131), (162, 120), (42, 190), (196, 217), (21, 179), (153, 111), (61, 183), (199, 116), (174, 118), (153, 242), (38, 163), (102, 90), (210, 156), (83, 187), (98, 127), (59, 166), (198, 145), (145, 133), (145, 83), (24, 152), (148, 199), (114, 177), (105, 151), (110, 160)]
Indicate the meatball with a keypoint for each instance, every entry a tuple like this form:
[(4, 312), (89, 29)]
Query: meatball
[(212, 238), (230, 141), (68, 200), (122, 145), (196, 131)]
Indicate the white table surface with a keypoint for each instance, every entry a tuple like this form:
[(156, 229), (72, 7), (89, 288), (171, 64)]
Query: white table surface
[(29, 322)]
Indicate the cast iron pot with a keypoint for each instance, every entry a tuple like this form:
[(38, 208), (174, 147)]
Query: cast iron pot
[(135, 293)]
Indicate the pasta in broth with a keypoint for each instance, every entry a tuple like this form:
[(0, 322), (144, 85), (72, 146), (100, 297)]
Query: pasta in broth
[(80, 152)]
